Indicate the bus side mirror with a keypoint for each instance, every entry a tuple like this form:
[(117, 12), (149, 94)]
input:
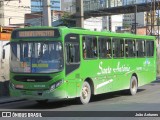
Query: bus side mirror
[(3, 54)]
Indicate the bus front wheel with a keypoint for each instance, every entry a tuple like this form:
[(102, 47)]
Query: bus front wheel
[(85, 94), (133, 85)]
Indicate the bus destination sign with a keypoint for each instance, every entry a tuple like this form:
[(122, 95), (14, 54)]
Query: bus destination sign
[(41, 33)]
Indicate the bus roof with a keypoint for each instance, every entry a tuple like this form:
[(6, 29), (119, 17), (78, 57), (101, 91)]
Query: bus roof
[(78, 30)]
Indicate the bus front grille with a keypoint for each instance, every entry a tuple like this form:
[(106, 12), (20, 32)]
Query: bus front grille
[(32, 78)]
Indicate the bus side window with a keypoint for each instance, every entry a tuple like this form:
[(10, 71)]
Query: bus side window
[(140, 48), (89, 47), (118, 47), (104, 47), (72, 53), (149, 48), (130, 48)]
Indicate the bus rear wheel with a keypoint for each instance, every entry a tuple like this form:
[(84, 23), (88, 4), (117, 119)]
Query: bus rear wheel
[(133, 85), (85, 94)]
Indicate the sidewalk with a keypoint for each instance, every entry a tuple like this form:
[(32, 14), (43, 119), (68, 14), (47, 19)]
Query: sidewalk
[(8, 99), (4, 94)]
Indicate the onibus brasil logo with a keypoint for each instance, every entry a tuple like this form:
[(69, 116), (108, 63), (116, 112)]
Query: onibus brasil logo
[(21, 114)]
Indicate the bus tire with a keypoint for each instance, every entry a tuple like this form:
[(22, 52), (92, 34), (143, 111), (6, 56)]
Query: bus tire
[(85, 94), (133, 85)]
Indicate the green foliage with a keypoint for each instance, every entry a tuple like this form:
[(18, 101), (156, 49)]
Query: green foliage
[(68, 20)]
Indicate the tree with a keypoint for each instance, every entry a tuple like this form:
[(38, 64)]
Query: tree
[(68, 20)]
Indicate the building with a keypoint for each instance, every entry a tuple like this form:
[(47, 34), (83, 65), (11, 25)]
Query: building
[(36, 18), (56, 5), (131, 2), (68, 5), (102, 23), (37, 5), (129, 19), (58, 8), (12, 12)]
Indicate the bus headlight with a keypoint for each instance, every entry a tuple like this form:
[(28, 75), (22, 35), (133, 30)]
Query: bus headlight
[(12, 85), (56, 84)]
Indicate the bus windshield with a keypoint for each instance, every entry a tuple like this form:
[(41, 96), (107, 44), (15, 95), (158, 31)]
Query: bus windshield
[(36, 57)]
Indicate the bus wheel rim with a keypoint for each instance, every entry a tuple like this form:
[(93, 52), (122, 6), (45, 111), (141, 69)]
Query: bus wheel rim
[(134, 86), (85, 92)]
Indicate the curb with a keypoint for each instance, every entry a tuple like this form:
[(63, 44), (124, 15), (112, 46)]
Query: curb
[(4, 100)]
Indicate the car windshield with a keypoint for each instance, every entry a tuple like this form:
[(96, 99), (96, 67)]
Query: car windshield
[(36, 57)]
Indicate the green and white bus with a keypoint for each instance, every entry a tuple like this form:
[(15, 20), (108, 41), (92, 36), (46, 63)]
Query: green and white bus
[(49, 63)]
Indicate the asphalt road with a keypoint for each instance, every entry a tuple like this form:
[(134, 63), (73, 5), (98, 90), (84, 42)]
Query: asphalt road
[(147, 99)]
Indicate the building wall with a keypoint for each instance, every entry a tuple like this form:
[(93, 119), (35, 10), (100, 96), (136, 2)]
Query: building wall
[(93, 24), (36, 19), (14, 11), (141, 31), (68, 5), (129, 19), (130, 2), (116, 22), (36, 5), (1, 13), (101, 23), (4, 63)]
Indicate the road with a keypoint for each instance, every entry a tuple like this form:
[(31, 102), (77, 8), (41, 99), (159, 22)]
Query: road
[(146, 99)]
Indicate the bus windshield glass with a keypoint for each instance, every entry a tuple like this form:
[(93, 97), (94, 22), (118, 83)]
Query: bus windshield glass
[(36, 57)]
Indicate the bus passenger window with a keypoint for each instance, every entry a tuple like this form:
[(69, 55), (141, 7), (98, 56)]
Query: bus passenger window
[(118, 47), (140, 45), (130, 48), (84, 53), (89, 47), (149, 48), (72, 54), (104, 47)]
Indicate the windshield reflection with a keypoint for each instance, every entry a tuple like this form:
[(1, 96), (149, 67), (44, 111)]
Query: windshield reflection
[(36, 57)]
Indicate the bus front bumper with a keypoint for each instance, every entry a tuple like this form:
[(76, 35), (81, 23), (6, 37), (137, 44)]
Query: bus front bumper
[(54, 95)]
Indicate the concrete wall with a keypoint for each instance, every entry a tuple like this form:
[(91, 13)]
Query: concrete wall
[(4, 63), (94, 23), (4, 69), (99, 23), (14, 11), (1, 12), (116, 22), (140, 18), (141, 31), (128, 19)]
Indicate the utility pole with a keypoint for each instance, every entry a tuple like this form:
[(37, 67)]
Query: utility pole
[(46, 13), (79, 13), (109, 17), (135, 21)]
